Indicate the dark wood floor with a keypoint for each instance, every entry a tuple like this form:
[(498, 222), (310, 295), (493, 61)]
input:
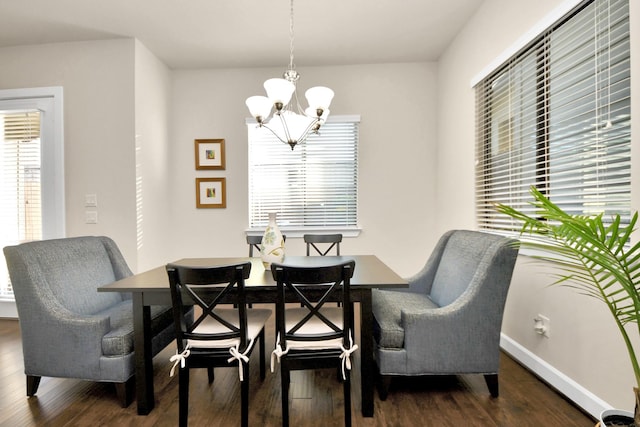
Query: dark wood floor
[(316, 398)]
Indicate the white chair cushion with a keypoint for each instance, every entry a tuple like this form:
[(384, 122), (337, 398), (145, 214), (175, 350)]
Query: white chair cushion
[(256, 318)]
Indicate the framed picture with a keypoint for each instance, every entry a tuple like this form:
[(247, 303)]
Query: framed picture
[(209, 154), (211, 193)]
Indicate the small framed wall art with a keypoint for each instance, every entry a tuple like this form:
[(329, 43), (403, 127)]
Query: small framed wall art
[(209, 154), (211, 193)]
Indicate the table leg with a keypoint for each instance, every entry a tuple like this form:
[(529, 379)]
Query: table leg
[(367, 365), (143, 354)]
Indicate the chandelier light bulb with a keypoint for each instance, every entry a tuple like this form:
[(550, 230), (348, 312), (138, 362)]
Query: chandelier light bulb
[(279, 91), (259, 107), (319, 97)]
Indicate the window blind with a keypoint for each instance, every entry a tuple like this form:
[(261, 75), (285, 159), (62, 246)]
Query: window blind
[(20, 195), (557, 116), (313, 186)]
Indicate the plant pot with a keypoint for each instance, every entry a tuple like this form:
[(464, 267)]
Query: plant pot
[(616, 417)]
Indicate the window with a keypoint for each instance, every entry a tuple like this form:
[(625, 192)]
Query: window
[(314, 186), (31, 172), (20, 180), (557, 116)]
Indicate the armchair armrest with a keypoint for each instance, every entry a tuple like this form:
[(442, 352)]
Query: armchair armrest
[(74, 342), (460, 337)]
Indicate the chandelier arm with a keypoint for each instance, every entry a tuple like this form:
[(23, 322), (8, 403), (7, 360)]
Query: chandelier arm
[(285, 128), (305, 134), (274, 133)]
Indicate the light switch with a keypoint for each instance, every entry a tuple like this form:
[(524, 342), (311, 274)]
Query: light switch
[(91, 200), (91, 217)]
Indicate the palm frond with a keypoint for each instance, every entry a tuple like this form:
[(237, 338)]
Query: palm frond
[(590, 256)]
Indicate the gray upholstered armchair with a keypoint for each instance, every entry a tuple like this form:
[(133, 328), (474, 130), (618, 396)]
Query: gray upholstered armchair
[(68, 328), (449, 320)]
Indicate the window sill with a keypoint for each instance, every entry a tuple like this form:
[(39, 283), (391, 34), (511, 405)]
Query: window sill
[(299, 232)]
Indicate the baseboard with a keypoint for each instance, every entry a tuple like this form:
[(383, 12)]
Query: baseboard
[(8, 309), (573, 391)]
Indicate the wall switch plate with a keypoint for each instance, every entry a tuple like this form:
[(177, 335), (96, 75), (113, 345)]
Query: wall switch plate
[(91, 200), (91, 217)]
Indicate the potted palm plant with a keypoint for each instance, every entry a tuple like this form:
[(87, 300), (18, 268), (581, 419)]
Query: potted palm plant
[(593, 257)]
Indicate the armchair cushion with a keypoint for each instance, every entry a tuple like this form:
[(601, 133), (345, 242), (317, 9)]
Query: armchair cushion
[(119, 340), (388, 330)]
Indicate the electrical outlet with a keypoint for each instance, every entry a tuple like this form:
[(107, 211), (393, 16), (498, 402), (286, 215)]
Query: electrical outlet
[(542, 325)]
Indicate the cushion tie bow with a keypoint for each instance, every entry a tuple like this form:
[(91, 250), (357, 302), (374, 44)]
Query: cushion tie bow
[(277, 352), (346, 356), (179, 358), (240, 357)]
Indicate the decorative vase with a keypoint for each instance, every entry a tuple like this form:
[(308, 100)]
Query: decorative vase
[(616, 416), (272, 245)]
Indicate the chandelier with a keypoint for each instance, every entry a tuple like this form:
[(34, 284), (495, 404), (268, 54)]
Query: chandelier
[(289, 122)]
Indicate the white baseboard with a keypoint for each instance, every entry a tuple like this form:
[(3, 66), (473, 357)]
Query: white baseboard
[(8, 309), (579, 395)]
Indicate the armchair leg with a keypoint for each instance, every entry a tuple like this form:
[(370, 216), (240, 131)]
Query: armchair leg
[(124, 391), (32, 385), (210, 375), (492, 384), (384, 382)]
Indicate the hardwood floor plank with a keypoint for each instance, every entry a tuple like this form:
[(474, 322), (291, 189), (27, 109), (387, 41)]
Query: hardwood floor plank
[(316, 398)]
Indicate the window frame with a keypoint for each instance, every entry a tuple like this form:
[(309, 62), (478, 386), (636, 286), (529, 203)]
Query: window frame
[(491, 187), (297, 230)]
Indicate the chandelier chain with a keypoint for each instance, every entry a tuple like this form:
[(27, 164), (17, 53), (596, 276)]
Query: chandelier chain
[(291, 37)]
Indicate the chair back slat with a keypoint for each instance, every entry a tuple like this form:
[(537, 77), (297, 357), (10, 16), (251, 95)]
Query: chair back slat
[(255, 241), (333, 240), (207, 287)]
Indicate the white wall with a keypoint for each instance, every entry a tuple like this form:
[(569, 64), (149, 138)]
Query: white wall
[(153, 163), (584, 344), (98, 82), (397, 169), (416, 164)]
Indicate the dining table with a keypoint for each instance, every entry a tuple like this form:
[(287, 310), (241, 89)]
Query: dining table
[(152, 288)]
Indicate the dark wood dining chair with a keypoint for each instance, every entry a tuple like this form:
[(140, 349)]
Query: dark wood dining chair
[(314, 336), (313, 240), (254, 242), (218, 337)]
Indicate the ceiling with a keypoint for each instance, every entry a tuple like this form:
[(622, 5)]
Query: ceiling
[(247, 33)]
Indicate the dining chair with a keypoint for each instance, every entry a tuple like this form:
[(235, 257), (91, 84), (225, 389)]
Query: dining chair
[(218, 337), (332, 239), (254, 242), (313, 336)]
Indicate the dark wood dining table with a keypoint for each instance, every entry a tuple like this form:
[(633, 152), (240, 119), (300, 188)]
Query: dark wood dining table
[(152, 288)]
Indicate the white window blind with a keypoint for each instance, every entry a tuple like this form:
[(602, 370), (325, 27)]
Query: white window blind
[(557, 116), (20, 190), (314, 186)]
